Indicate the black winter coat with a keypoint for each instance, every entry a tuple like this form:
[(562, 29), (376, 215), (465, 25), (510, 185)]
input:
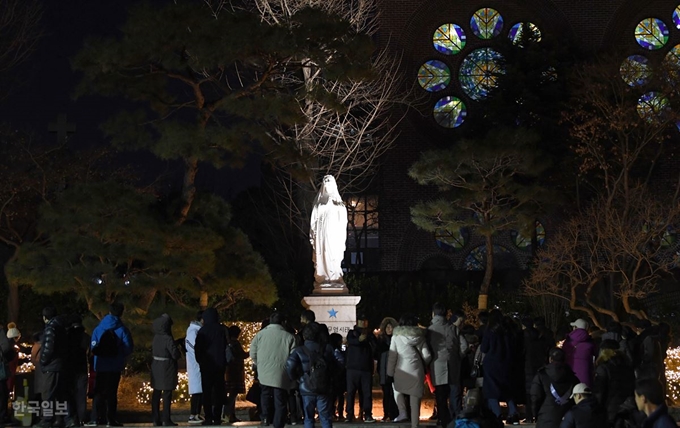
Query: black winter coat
[(54, 346), (499, 353), (235, 378), (360, 353), (211, 344), (298, 363), (382, 350), (563, 379), (6, 349), (78, 345), (614, 383), (659, 419), (165, 355), (536, 349), (586, 414)]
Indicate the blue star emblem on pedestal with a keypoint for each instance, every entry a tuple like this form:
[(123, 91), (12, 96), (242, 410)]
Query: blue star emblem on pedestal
[(332, 313)]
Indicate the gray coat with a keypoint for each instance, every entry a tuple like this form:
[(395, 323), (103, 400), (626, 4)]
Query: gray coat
[(448, 348), (165, 355), (269, 351)]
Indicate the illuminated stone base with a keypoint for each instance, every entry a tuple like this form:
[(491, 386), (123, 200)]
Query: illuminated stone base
[(338, 312)]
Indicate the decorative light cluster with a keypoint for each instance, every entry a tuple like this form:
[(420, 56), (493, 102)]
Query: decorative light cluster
[(673, 374), (181, 394)]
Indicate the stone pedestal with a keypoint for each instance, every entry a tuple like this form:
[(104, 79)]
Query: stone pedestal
[(338, 312)]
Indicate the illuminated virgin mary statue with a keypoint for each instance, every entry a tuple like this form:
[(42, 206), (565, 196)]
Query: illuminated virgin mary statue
[(328, 233)]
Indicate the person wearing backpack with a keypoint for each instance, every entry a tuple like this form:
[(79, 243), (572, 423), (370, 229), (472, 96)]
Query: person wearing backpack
[(111, 344), (551, 390), (311, 365)]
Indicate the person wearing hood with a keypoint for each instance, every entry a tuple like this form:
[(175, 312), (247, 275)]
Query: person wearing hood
[(299, 362), (587, 413), (269, 351), (109, 368), (193, 369), (614, 378), (163, 369), (579, 351), (210, 348), (406, 363), (551, 390), (52, 362), (382, 350)]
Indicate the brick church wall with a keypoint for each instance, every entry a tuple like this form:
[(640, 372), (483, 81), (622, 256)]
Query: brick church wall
[(406, 27)]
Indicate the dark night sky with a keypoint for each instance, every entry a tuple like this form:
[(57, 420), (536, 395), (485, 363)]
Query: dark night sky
[(47, 84)]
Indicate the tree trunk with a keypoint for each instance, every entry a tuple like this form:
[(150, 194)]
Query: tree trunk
[(188, 189), (203, 301), (482, 302)]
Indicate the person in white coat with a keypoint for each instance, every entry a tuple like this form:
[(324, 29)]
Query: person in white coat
[(406, 362), (193, 370)]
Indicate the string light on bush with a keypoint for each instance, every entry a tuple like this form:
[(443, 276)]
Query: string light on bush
[(179, 395), (673, 374)]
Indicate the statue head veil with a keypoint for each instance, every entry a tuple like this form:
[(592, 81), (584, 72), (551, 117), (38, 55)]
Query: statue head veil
[(328, 190)]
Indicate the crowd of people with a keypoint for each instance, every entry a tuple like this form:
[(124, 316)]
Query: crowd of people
[(579, 378)]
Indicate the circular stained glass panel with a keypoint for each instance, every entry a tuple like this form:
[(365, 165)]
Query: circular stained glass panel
[(635, 70), (434, 76), (676, 17), (449, 39), (672, 65), (449, 241), (651, 105), (517, 35), (450, 112), (476, 259), (651, 33), (479, 72), (486, 23)]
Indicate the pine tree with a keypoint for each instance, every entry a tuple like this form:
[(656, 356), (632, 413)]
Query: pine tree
[(487, 186), (106, 242)]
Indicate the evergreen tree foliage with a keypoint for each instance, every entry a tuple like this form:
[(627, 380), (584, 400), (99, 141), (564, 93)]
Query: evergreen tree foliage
[(209, 88), (106, 242), (486, 186)]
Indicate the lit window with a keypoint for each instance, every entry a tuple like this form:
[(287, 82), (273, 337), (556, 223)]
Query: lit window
[(651, 106), (449, 39), (434, 76), (476, 259), (486, 23), (479, 72), (516, 33), (362, 222), (448, 240), (676, 17), (651, 33), (450, 112), (635, 70)]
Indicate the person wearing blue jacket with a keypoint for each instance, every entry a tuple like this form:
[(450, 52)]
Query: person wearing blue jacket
[(109, 368)]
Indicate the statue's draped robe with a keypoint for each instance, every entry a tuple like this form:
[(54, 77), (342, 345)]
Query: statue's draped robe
[(329, 234)]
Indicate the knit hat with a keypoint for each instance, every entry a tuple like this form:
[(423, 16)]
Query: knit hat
[(12, 331)]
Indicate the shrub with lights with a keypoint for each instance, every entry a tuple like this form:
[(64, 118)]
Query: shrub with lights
[(673, 375), (181, 394)]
